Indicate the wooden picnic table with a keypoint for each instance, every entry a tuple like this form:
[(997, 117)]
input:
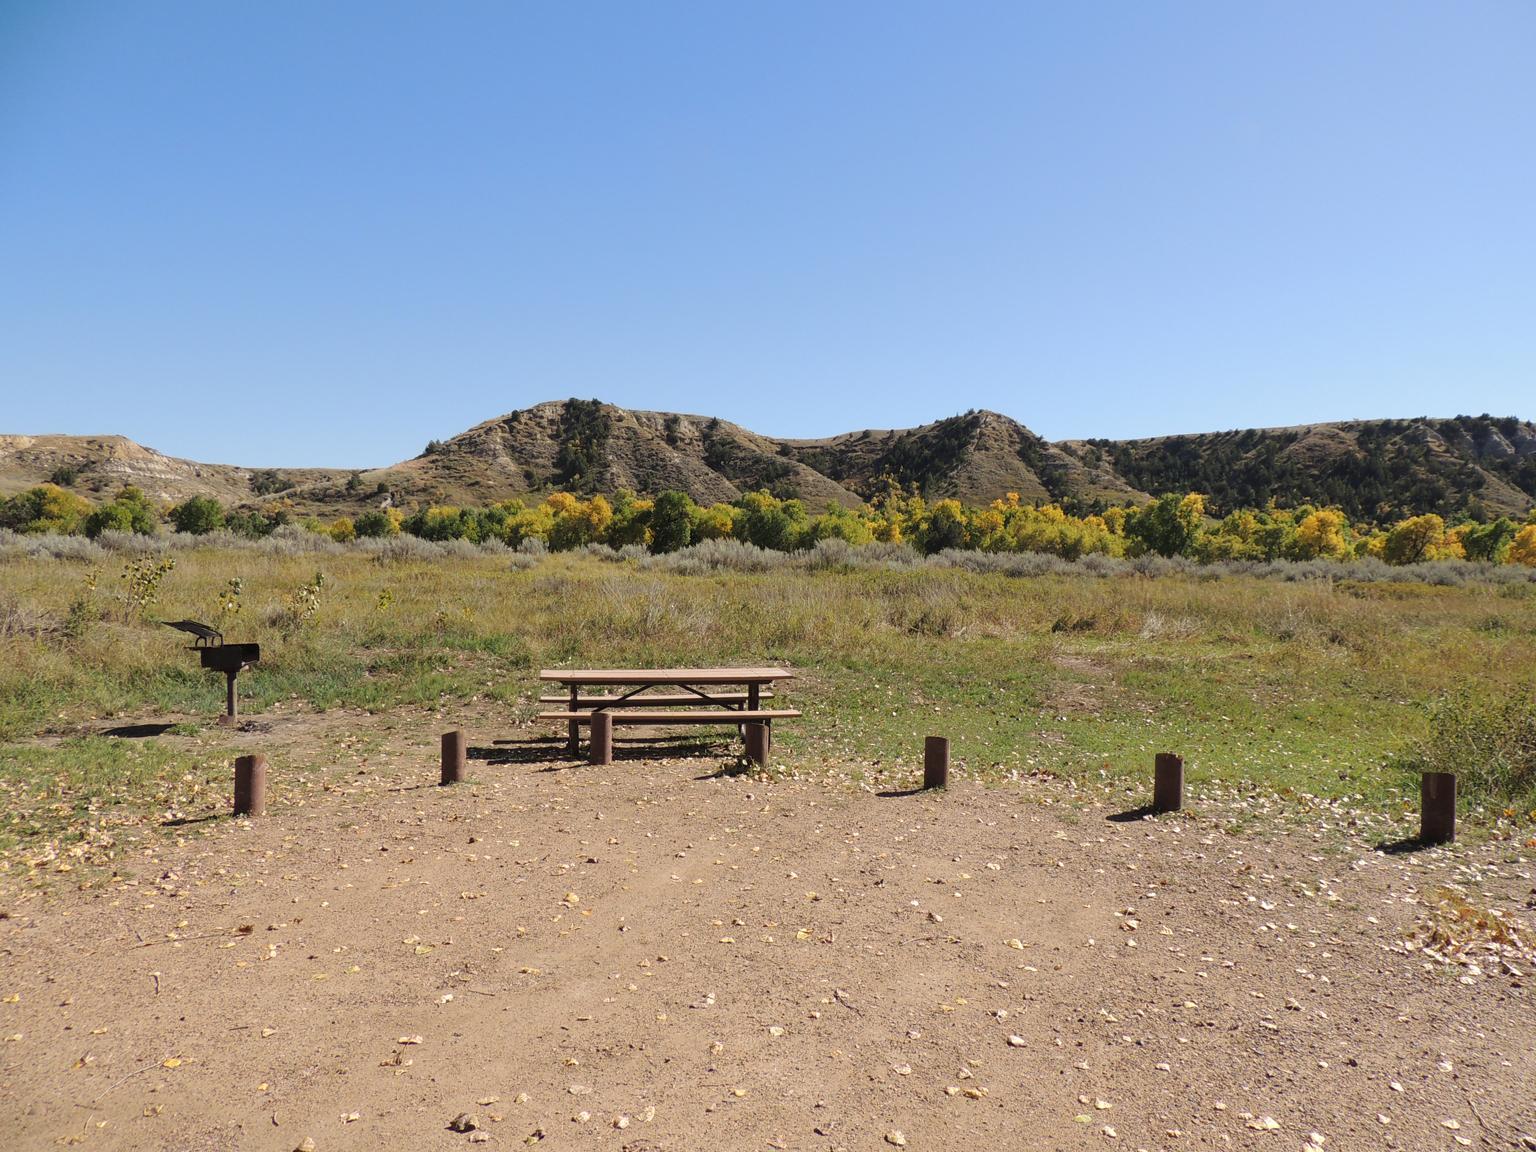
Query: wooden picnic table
[(700, 699)]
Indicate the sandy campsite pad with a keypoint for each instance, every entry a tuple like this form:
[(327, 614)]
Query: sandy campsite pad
[(643, 958)]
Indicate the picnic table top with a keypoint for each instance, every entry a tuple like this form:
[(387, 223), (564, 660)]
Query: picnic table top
[(664, 675)]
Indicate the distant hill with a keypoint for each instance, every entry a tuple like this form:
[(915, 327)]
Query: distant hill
[(1375, 469)]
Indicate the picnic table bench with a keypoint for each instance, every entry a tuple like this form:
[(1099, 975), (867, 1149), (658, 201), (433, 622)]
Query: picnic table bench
[(637, 696)]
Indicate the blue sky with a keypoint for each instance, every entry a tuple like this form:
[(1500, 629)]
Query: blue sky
[(296, 233)]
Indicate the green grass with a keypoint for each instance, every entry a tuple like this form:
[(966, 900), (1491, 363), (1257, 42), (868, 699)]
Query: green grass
[(1308, 686)]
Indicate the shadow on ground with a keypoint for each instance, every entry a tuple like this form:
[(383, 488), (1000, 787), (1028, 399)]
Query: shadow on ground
[(1404, 846), (553, 752), (185, 821), (137, 731)]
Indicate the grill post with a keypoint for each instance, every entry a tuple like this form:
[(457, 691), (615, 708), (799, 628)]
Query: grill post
[(231, 702), (250, 784), (759, 742), (1437, 807), (935, 762), (600, 738), (1167, 782), (454, 753)]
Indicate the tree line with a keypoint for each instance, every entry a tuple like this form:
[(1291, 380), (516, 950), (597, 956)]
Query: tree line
[(1171, 525)]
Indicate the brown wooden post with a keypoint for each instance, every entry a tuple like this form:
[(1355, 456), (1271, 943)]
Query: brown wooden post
[(600, 738), (1437, 807), (759, 742), (1167, 782), (454, 754), (251, 785), (936, 762)]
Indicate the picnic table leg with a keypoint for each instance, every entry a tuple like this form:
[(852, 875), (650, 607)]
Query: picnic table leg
[(572, 728), (754, 701), (759, 742)]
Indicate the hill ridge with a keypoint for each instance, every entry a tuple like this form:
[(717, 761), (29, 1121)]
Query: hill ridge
[(1374, 469)]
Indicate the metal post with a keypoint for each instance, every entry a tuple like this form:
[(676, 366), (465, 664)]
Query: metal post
[(1167, 782), (454, 753), (1437, 807), (231, 703), (936, 762), (600, 738), (573, 729), (759, 742), (251, 785)]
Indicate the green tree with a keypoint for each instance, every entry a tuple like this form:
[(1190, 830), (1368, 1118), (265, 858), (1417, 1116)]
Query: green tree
[(198, 516), (1489, 541), (129, 512), (672, 522), (46, 508), (375, 522), (1169, 526), (772, 523)]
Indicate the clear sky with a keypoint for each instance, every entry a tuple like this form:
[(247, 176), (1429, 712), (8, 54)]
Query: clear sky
[(323, 233)]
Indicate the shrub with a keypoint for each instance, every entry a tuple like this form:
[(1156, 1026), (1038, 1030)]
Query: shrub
[(128, 512), (301, 607), (141, 579), (1488, 741), (375, 523), (296, 540), (46, 508), (267, 482), (198, 516)]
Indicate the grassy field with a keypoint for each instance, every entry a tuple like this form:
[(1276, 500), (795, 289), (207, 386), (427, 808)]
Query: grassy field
[(1309, 686)]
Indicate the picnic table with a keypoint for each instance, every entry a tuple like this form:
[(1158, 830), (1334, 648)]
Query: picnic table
[(638, 696)]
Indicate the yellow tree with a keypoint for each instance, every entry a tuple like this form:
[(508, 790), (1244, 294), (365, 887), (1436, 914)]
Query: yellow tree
[(1321, 535), (1412, 540), (1522, 550)]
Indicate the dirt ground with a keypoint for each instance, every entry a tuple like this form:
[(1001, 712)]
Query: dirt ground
[(654, 957)]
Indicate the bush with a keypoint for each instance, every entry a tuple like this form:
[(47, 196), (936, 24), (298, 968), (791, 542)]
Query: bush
[(375, 523), (198, 516), (46, 508), (267, 482), (1489, 742), (128, 512)]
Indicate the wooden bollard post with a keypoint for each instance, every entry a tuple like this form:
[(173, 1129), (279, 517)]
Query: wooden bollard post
[(1167, 782), (455, 753), (759, 743), (600, 739), (251, 785), (1437, 807), (935, 762)]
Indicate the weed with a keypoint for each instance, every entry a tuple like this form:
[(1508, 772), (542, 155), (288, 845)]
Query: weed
[(141, 579)]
